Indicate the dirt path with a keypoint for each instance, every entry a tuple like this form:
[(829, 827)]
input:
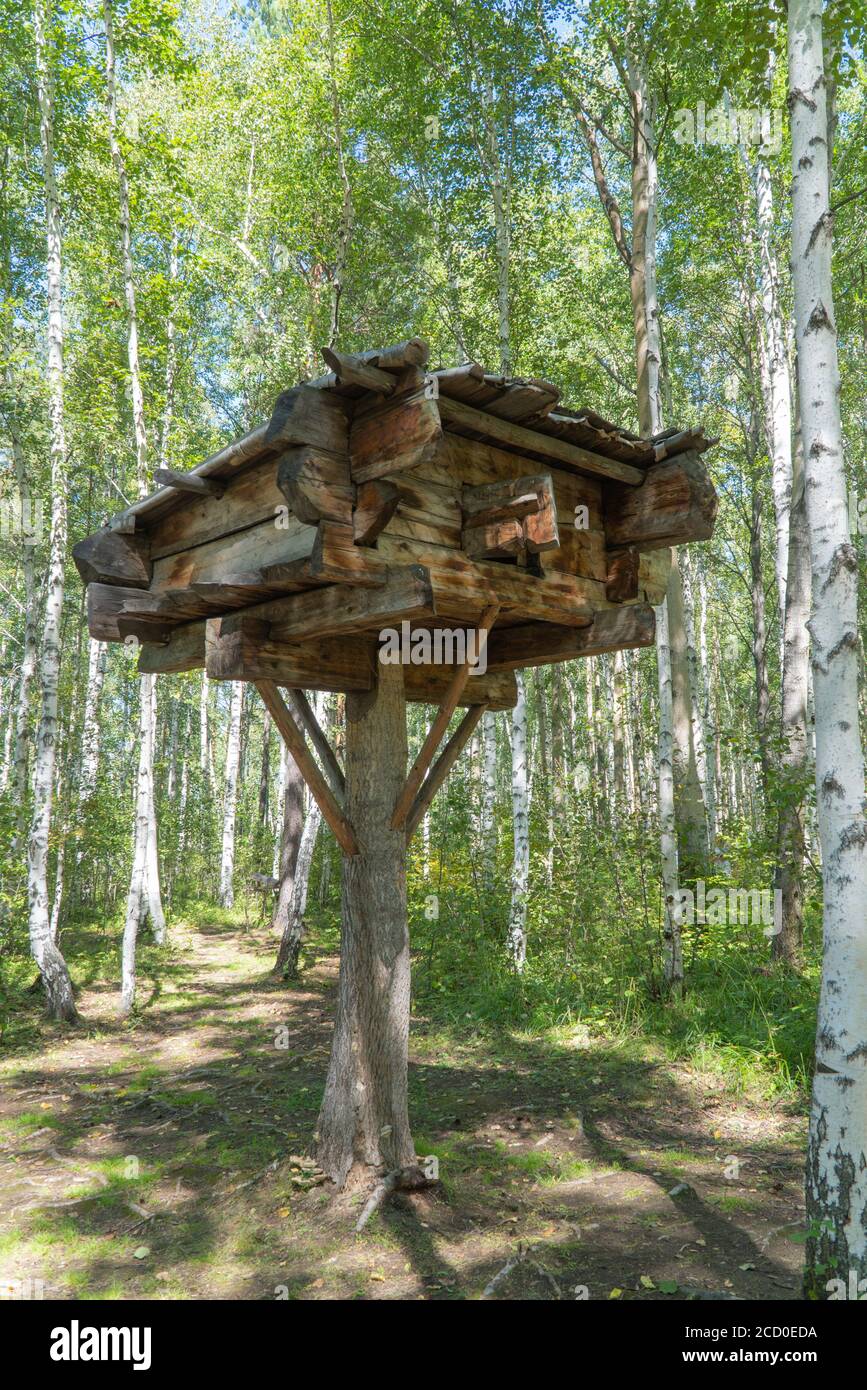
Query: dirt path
[(167, 1158)]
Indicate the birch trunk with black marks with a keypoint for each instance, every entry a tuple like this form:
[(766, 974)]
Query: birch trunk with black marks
[(836, 1170), (47, 954), (787, 942), (230, 796), (144, 896), (363, 1125), (30, 652), (517, 938)]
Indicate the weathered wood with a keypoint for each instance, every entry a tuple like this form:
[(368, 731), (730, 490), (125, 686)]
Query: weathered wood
[(407, 593), (428, 685), (441, 722), (654, 568), (239, 590), (533, 444), (496, 509), (510, 499), (412, 352), (463, 588), (189, 482), (490, 541), (337, 559), (184, 651), (113, 557), (301, 708), (316, 485), (319, 788), (510, 649), (390, 437), (108, 603), (255, 548), (441, 768), (622, 580), (375, 505), (237, 647), (307, 416), (251, 497), (354, 371), (676, 503)]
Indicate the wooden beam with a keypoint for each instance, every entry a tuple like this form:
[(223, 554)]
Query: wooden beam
[(375, 505), (113, 557), (184, 651), (333, 771), (354, 371), (538, 644), (237, 647), (621, 582), (676, 504), (189, 482), (316, 485), (337, 559), (440, 724), (306, 415), (393, 435), (319, 788), (428, 685), (407, 593), (531, 442), (442, 767)]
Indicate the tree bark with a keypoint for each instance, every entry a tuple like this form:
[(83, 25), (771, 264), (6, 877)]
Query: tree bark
[(46, 952), (364, 1122), (230, 797), (836, 1171), (517, 939)]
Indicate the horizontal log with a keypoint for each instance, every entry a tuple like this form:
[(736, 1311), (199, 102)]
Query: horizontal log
[(278, 541), (113, 557), (354, 371), (675, 504), (532, 444), (428, 685), (337, 559), (250, 499), (538, 644), (412, 352), (237, 648), (189, 482), (305, 415), (407, 594), (232, 458), (184, 651), (389, 437), (530, 501), (621, 581), (316, 485), (107, 604)]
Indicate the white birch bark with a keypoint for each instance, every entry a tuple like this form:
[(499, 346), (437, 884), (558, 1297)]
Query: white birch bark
[(230, 796), (46, 953), (517, 938), (29, 654), (90, 729), (489, 792), (836, 1174), (672, 962)]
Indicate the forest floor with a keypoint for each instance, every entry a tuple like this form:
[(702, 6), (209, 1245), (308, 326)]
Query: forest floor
[(168, 1157)]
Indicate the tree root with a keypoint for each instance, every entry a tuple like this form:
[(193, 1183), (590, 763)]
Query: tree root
[(411, 1179)]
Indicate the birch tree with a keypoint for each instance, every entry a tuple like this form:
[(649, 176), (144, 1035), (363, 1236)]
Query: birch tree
[(45, 950), (836, 1176), (230, 795)]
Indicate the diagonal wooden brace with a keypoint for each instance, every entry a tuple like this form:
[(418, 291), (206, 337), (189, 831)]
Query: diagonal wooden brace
[(447, 708), (333, 771), (319, 788), (441, 768)]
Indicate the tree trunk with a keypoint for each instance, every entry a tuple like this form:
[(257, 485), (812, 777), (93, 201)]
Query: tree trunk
[(517, 940), (90, 731), (672, 962), (290, 843), (836, 1173), (293, 931), (786, 944), (46, 953), (230, 797), (489, 794), (364, 1122)]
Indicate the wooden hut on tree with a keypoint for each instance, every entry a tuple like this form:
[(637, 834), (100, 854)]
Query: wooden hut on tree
[(389, 496)]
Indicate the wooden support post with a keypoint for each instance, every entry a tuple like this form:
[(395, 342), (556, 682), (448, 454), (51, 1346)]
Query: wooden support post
[(363, 1127), (333, 771), (441, 768), (446, 710), (319, 788)]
